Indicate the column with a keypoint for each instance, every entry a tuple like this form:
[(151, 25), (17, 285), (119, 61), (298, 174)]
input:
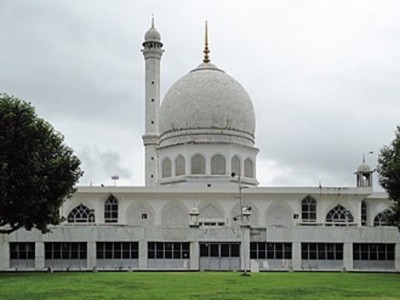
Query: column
[(4, 252), (397, 256), (39, 256), (194, 255), (347, 256), (296, 256), (91, 255), (143, 254), (245, 249)]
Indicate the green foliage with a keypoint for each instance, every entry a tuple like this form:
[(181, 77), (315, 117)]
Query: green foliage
[(37, 170), (389, 176), (199, 285)]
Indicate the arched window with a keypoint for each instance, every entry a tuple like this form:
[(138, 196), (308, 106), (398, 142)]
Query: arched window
[(166, 168), (380, 219), (339, 214), (309, 209), (218, 165), (248, 168), (81, 214), (111, 210), (180, 166), (235, 165), (198, 164), (363, 213)]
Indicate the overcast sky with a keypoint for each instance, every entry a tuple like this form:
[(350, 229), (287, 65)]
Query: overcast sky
[(324, 77)]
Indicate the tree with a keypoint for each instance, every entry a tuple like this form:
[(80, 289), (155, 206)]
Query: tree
[(389, 177), (37, 170)]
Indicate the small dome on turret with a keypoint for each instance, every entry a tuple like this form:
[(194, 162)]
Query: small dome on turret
[(364, 168), (152, 35)]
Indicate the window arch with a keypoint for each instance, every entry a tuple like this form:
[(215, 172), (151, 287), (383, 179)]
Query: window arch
[(111, 210), (175, 215), (198, 164), (309, 209), (180, 166), (279, 216), (339, 214), (218, 165), (210, 211), (235, 165), (166, 168), (380, 218), (81, 214), (248, 168)]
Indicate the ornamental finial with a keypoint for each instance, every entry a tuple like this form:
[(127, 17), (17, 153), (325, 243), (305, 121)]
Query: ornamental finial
[(206, 51)]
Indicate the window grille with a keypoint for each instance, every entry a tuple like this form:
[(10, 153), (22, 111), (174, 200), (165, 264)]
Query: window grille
[(218, 165), (374, 251), (263, 250), (81, 214), (198, 164), (111, 210), (309, 209), (321, 251), (22, 250), (168, 250), (338, 215)]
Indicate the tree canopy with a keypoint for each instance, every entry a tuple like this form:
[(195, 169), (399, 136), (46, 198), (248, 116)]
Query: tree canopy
[(37, 170), (389, 176)]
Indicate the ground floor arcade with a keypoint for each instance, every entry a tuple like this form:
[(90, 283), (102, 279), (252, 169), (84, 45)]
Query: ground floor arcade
[(133, 248)]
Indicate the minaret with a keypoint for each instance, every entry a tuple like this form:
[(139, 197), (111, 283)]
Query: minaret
[(152, 52)]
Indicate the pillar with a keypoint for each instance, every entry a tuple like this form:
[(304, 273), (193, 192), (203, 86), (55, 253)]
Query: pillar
[(91, 255), (348, 256), (39, 256), (296, 256), (142, 254)]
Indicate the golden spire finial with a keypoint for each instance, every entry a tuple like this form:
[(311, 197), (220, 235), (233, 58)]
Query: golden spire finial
[(152, 20), (206, 58)]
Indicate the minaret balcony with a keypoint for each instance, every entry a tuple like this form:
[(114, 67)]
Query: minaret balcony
[(151, 139)]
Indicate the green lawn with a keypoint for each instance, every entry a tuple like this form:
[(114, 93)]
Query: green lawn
[(177, 285)]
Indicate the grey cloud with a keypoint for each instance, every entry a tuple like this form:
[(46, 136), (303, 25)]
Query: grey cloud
[(323, 76), (100, 166)]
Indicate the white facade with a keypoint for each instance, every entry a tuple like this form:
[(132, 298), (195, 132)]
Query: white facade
[(194, 214)]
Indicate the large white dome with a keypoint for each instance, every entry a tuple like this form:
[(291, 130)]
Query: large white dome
[(207, 98)]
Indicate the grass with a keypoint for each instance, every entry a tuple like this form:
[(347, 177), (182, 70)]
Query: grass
[(177, 285)]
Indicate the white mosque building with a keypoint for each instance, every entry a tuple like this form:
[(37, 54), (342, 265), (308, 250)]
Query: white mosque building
[(201, 207)]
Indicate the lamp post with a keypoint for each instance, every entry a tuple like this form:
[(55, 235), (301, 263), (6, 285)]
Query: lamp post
[(244, 213)]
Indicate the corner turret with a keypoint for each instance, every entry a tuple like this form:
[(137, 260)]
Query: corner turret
[(364, 174)]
